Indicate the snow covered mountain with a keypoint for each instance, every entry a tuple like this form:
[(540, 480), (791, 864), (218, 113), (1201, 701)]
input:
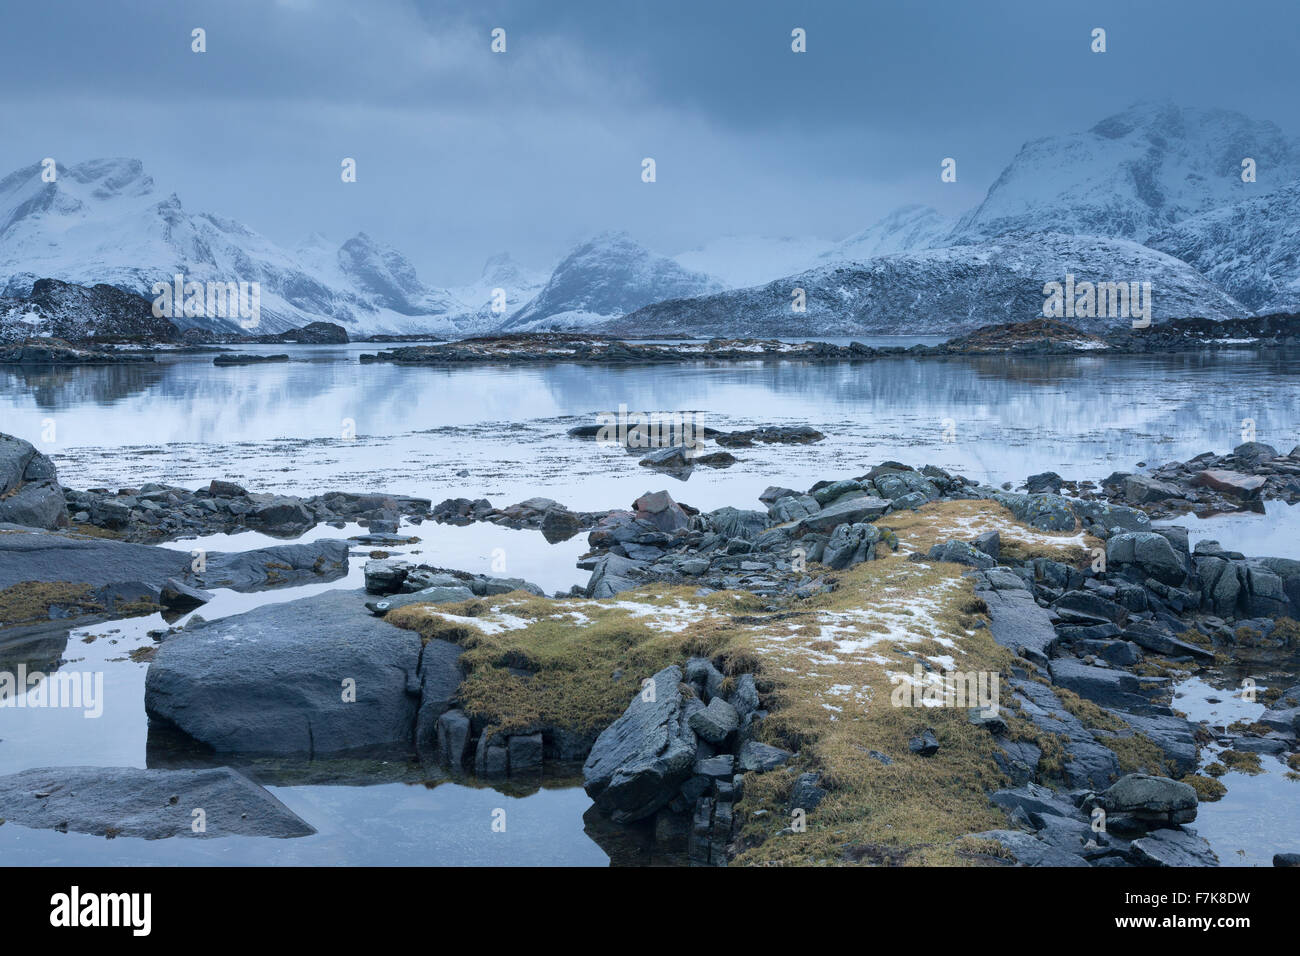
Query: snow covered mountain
[(604, 278), (103, 221), (906, 229), (1250, 249), (501, 271), (1134, 174), (1155, 173), (939, 291)]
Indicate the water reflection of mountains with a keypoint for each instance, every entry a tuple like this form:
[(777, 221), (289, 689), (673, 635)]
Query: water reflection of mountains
[(69, 386), (406, 398)]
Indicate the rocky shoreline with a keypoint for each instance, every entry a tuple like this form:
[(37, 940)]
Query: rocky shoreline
[(1030, 338), (1035, 337), (737, 635)]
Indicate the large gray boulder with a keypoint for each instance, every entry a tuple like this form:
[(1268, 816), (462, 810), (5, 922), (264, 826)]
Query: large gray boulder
[(851, 509), (792, 508), (29, 487), (1149, 551), (958, 552), (738, 522), (153, 804), (1044, 512), (1110, 687), (1221, 583), (1102, 517), (277, 679), (639, 761), (1156, 800), (98, 562), (850, 544), (899, 484), (613, 573)]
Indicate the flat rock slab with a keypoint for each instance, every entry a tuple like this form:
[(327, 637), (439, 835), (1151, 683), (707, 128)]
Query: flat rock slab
[(50, 556), (275, 680), (276, 566), (847, 510), (1090, 765), (98, 562), (1231, 482), (1019, 624), (1110, 687), (1173, 847), (1175, 736), (153, 804), (1030, 851)]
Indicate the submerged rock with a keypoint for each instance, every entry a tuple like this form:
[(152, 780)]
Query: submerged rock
[(152, 804)]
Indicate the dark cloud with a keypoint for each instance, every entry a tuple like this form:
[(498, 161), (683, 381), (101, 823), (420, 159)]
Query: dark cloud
[(463, 153)]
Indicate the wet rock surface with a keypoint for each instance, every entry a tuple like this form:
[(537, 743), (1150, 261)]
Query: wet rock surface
[(30, 494), (151, 804), (318, 675), (1086, 633)]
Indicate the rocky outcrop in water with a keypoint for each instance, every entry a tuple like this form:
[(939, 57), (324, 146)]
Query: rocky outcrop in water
[(316, 676), (1252, 473), (679, 754)]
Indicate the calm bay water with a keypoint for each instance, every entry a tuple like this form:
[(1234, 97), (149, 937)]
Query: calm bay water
[(281, 427), (499, 432)]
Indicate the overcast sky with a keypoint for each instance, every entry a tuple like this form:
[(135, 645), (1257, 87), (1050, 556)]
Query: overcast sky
[(463, 153)]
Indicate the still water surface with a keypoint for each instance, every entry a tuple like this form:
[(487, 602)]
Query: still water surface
[(499, 432)]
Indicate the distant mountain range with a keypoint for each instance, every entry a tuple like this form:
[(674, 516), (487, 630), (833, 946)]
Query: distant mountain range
[(1152, 194)]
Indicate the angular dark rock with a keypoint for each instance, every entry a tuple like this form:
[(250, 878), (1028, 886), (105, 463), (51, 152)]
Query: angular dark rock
[(639, 761)]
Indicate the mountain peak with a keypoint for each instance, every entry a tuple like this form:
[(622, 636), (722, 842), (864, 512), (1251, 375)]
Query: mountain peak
[(1134, 173), (110, 177), (609, 274)]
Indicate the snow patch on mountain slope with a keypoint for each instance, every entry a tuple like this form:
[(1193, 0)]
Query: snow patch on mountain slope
[(1250, 249), (519, 284), (103, 221), (906, 229), (939, 291), (1133, 174), (607, 277)]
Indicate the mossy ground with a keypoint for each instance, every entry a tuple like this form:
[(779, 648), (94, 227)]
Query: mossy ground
[(1208, 789), (30, 601), (1243, 762), (94, 531), (824, 667)]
